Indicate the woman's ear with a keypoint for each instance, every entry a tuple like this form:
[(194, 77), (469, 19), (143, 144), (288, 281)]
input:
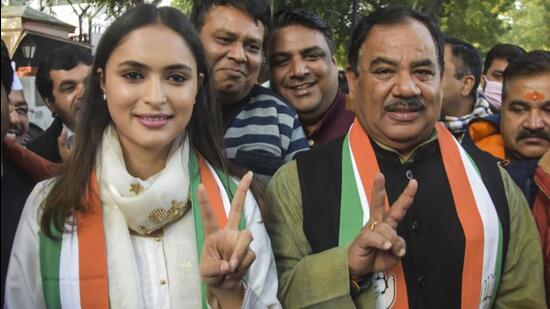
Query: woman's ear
[(200, 79), (101, 77)]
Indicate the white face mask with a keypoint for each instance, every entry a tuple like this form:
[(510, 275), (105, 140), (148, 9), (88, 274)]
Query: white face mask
[(493, 93)]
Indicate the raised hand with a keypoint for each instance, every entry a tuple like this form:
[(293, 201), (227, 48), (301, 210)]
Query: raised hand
[(63, 146), (378, 247), (226, 255)]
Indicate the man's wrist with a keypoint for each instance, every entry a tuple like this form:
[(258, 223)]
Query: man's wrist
[(359, 286)]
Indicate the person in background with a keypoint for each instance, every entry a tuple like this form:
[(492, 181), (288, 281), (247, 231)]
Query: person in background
[(520, 135), (148, 213), (262, 131), (401, 215), (460, 83), (496, 61), (541, 211), (19, 110), (21, 170), (303, 71), (60, 81)]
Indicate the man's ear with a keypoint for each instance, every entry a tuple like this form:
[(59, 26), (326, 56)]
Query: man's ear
[(50, 104), (351, 76), (467, 85)]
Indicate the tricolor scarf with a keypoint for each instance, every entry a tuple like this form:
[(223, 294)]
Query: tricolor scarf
[(81, 249), (476, 212)]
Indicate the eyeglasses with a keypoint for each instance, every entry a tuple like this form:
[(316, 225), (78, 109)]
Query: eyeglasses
[(21, 110)]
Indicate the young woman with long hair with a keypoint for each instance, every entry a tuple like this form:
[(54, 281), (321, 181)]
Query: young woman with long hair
[(145, 215)]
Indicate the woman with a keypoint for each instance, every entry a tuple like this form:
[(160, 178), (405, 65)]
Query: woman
[(133, 213)]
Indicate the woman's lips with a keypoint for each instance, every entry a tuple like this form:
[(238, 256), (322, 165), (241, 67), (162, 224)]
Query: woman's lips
[(154, 121)]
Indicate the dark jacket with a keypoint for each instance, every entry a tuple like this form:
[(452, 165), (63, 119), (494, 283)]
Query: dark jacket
[(45, 145), (484, 133)]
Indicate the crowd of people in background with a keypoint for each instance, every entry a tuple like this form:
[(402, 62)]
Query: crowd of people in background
[(172, 177)]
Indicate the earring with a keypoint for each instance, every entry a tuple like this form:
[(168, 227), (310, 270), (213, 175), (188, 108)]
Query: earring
[(104, 97)]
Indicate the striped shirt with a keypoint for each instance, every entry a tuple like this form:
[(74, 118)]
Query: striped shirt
[(262, 132)]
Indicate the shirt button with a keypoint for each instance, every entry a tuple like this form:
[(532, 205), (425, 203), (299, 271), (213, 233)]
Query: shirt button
[(421, 281), (409, 174), (416, 226), (311, 142), (163, 282), (158, 238)]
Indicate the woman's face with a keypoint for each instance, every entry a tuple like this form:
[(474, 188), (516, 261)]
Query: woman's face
[(150, 80)]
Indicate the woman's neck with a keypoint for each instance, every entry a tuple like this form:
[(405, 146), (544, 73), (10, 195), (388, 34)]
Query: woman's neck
[(144, 163)]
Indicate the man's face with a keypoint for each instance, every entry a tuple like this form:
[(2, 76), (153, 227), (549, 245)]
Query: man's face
[(19, 119), (397, 92), (303, 70), (68, 88), (525, 123), (5, 115), (495, 72), (233, 43), (455, 91)]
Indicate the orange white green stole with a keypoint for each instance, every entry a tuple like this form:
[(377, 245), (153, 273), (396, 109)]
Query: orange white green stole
[(476, 212), (85, 248)]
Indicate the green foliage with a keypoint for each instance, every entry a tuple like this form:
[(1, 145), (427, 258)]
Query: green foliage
[(483, 23), (478, 22), (183, 5), (530, 26)]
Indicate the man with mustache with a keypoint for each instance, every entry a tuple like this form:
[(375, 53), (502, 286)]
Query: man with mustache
[(303, 71), (520, 136), (19, 109), (396, 214), (261, 131), (60, 81)]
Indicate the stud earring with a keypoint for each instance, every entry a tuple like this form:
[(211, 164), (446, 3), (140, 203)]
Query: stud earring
[(104, 97)]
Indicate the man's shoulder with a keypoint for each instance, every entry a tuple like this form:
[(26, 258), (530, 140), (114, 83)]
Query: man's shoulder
[(261, 97), (52, 132)]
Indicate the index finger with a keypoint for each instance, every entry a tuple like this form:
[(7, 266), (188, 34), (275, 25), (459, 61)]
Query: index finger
[(207, 215), (378, 198), (62, 139), (399, 209), (237, 204)]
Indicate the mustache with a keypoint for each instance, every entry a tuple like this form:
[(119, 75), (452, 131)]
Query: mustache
[(413, 103), (526, 133)]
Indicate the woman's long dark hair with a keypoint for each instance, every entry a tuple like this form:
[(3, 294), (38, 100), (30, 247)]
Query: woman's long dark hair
[(67, 194)]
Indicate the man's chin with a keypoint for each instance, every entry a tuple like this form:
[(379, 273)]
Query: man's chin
[(533, 151)]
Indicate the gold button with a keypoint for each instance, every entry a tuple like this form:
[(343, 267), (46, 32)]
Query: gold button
[(311, 142), (163, 282), (158, 238)]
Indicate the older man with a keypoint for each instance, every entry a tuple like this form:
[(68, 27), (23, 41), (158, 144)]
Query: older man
[(458, 232), (19, 109), (261, 131), (303, 71)]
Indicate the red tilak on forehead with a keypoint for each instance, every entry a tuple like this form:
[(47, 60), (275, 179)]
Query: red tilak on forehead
[(534, 96)]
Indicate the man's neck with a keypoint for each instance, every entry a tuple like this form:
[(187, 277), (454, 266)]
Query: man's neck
[(462, 108), (312, 121)]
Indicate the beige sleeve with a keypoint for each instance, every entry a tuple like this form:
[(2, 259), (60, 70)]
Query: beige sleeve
[(305, 279), (521, 284)]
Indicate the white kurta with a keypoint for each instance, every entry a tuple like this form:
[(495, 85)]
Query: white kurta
[(167, 272)]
